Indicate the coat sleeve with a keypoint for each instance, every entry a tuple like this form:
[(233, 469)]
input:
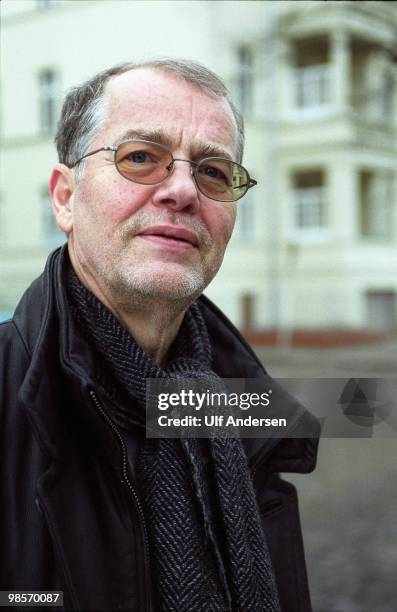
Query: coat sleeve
[(278, 509)]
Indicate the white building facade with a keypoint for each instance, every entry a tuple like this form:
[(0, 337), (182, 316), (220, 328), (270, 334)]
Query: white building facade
[(316, 241)]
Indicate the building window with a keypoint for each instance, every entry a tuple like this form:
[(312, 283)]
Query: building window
[(245, 219), (247, 311), (312, 73), (48, 96), (376, 205), (309, 205), (245, 79), (52, 235), (312, 86)]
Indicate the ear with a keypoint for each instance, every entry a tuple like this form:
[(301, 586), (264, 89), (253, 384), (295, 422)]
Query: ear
[(61, 187)]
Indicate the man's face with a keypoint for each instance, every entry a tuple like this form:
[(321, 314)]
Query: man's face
[(165, 240)]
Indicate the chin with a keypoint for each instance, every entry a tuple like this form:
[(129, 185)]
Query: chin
[(165, 284)]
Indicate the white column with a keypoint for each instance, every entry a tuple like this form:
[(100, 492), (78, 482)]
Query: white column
[(286, 76), (340, 58), (344, 201)]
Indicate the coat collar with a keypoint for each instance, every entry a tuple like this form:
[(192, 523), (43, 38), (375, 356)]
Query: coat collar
[(60, 363)]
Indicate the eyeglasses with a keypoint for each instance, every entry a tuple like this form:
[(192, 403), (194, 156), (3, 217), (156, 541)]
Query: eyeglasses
[(149, 163)]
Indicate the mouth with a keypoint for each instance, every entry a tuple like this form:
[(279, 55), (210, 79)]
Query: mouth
[(170, 236)]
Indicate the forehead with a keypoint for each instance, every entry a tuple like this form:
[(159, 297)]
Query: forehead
[(158, 101)]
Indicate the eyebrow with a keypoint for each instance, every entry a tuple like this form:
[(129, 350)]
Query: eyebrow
[(200, 149), (161, 137)]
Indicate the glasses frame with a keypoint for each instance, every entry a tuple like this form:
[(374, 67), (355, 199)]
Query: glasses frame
[(194, 166)]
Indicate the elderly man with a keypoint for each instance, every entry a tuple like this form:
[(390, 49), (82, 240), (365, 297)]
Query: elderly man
[(145, 189)]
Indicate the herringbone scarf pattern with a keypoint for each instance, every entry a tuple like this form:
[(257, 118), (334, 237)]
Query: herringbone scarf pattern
[(208, 549)]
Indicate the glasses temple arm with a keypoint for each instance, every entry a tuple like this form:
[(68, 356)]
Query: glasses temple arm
[(252, 183), (93, 153)]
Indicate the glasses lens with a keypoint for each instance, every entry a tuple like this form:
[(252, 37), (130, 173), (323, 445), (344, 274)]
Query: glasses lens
[(143, 162), (221, 179)]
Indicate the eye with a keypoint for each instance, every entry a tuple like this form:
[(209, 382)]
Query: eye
[(212, 172), (137, 157)]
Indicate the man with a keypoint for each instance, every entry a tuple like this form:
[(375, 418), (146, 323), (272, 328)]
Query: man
[(145, 190)]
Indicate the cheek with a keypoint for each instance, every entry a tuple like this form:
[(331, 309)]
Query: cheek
[(111, 203), (223, 223), (115, 203)]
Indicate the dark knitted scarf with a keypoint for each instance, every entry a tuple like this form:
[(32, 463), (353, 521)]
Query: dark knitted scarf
[(208, 550)]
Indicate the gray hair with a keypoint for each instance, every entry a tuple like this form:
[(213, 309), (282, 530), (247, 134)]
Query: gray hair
[(83, 111)]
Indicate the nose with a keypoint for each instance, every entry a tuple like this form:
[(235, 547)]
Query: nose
[(178, 191)]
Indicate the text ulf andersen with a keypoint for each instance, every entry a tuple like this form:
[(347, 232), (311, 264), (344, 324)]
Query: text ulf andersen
[(219, 421)]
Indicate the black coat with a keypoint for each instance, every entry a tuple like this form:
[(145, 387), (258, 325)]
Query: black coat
[(70, 517)]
